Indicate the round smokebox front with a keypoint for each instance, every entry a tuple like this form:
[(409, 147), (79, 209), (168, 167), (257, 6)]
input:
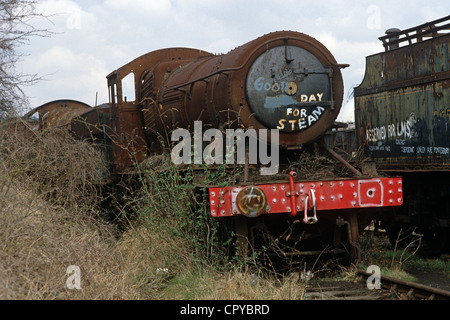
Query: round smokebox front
[(288, 88)]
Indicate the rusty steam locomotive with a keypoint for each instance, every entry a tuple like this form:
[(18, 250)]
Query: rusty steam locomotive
[(284, 81)]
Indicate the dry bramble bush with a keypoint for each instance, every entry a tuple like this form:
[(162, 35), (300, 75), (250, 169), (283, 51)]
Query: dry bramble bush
[(49, 199), (47, 220), (58, 166)]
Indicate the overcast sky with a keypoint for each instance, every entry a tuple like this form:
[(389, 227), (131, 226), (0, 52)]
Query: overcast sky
[(93, 38)]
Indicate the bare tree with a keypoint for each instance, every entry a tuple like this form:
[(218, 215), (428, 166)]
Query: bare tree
[(16, 28)]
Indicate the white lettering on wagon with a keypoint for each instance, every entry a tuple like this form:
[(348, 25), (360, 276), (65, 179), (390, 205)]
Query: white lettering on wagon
[(399, 130), (401, 134)]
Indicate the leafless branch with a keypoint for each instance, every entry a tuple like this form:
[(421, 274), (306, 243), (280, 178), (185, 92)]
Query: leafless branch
[(17, 20)]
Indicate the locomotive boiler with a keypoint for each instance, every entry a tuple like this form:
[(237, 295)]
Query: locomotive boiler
[(285, 81), (402, 118)]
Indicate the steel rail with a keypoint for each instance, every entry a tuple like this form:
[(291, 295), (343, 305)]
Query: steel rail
[(411, 288)]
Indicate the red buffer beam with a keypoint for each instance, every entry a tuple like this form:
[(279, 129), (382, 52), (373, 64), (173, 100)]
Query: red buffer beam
[(312, 195)]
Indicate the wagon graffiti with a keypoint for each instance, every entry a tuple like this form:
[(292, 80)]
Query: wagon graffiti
[(409, 138), (398, 131)]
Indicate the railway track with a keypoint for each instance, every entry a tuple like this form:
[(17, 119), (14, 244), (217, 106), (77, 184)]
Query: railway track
[(410, 290), (338, 291), (391, 289)]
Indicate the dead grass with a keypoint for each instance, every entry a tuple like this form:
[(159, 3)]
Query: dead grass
[(48, 222), (312, 165), (39, 241), (53, 163), (237, 284), (151, 259)]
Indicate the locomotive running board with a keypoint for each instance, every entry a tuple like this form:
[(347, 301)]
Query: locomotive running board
[(328, 194)]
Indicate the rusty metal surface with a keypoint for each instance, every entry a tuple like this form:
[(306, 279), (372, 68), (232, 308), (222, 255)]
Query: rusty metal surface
[(130, 118), (221, 90), (402, 107), (92, 122), (300, 84), (342, 139), (411, 288), (396, 37), (286, 84), (58, 113)]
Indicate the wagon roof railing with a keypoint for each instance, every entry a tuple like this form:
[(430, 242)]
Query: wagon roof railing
[(416, 34)]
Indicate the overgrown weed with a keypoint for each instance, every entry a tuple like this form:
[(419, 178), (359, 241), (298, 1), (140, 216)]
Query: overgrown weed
[(48, 220), (398, 259), (171, 248)]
